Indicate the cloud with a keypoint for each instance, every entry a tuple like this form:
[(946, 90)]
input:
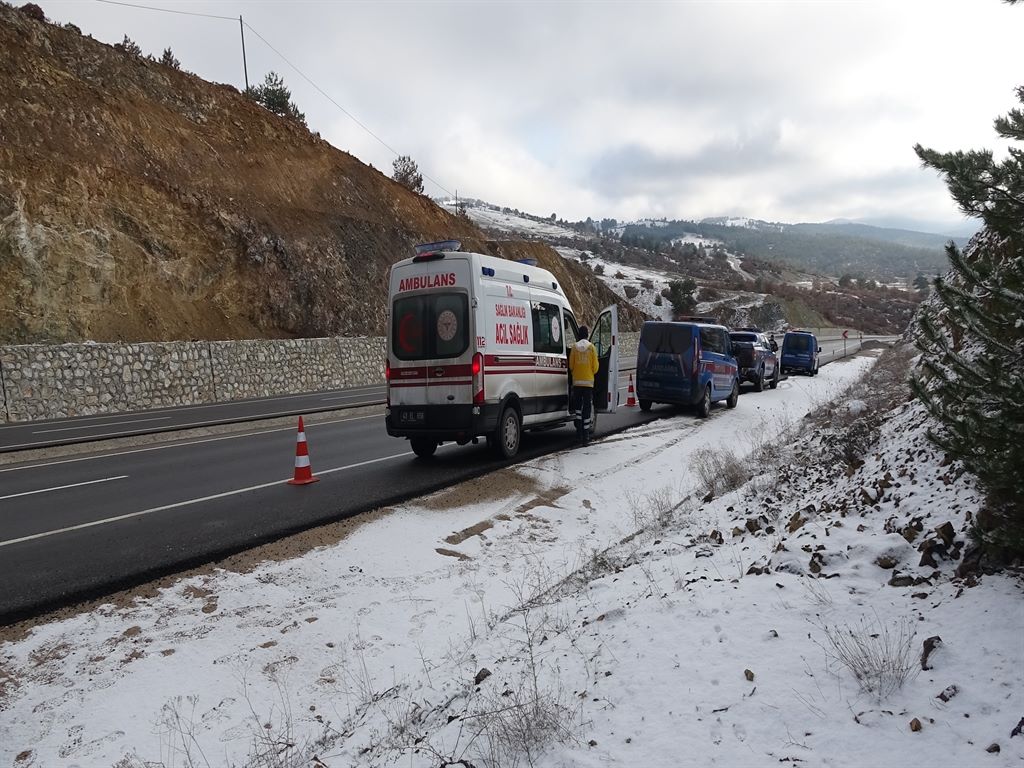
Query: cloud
[(790, 111)]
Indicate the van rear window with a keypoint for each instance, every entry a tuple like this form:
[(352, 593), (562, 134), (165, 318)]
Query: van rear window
[(431, 326), (666, 338), (797, 342)]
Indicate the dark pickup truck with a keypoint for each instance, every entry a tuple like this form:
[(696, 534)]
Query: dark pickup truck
[(759, 364)]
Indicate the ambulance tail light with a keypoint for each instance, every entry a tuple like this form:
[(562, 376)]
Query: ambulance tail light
[(478, 379), (387, 381)]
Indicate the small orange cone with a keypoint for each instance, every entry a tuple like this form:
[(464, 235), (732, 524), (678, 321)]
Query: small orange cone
[(631, 400), (303, 471)]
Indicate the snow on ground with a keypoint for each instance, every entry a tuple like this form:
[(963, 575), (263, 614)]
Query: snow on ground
[(497, 220), (580, 609), (633, 277), (708, 242)]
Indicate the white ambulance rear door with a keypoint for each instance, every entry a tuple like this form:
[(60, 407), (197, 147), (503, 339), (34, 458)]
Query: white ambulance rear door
[(430, 338)]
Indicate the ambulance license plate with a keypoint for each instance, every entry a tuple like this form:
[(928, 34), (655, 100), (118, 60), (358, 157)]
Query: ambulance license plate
[(412, 417)]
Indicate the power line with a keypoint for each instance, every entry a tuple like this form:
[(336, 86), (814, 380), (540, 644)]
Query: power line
[(284, 58), (166, 10)]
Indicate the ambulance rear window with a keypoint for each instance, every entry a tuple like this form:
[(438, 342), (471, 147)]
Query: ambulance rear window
[(430, 327)]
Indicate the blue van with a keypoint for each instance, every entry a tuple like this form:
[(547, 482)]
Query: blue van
[(688, 363), (800, 353)]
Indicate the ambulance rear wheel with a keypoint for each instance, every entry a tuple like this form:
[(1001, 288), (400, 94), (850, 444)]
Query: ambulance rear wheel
[(510, 432), (423, 447)]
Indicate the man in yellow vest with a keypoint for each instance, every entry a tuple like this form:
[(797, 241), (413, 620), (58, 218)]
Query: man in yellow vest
[(583, 367)]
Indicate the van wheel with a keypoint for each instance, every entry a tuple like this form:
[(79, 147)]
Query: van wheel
[(510, 432), (775, 378), (645, 405), (734, 396), (704, 405), (423, 447), (759, 384)]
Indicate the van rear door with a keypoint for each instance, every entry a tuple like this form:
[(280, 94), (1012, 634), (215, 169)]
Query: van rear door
[(605, 337)]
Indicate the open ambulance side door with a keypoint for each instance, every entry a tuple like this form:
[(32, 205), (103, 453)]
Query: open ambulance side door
[(605, 336)]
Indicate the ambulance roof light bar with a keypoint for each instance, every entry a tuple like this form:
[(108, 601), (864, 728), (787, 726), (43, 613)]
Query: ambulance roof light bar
[(431, 251)]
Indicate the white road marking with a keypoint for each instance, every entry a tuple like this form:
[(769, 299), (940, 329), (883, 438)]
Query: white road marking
[(189, 502), (215, 422), (180, 445), (62, 487), (101, 426)]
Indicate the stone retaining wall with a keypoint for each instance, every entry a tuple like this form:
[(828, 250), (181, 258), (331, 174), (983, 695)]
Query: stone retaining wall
[(40, 381)]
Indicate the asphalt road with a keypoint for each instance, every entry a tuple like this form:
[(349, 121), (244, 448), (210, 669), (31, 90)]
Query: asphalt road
[(87, 525)]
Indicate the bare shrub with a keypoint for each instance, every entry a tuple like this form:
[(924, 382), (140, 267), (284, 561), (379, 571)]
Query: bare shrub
[(719, 470), (652, 511), (880, 656)]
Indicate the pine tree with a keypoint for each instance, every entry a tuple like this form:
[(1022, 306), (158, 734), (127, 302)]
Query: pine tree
[(275, 96), (169, 59), (405, 171), (971, 334), (129, 46)]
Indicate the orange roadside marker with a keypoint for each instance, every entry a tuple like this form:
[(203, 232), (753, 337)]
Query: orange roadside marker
[(303, 470)]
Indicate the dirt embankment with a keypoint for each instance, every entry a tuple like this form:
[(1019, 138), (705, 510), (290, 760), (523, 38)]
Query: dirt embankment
[(142, 203)]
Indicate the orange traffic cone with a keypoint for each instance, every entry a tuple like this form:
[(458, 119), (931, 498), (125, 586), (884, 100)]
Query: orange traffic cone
[(303, 471), (631, 400)]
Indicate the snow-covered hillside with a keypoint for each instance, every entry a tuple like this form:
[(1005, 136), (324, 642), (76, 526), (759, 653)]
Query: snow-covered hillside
[(497, 219), (645, 285), (585, 609)]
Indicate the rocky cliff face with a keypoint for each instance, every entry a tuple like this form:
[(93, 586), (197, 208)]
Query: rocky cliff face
[(141, 203)]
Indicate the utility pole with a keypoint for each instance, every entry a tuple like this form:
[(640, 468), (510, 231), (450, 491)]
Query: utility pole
[(245, 67)]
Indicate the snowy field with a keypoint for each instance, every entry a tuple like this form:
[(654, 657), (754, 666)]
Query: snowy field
[(586, 608), (494, 219)]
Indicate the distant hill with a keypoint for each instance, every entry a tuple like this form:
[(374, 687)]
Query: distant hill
[(139, 203), (827, 249), (906, 237)]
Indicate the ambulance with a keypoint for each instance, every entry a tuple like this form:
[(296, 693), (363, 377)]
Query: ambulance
[(477, 346)]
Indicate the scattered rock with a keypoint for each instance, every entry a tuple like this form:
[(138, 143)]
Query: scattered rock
[(749, 675), (795, 523), (949, 693), (946, 533), (888, 561), (737, 531), (901, 580), (704, 552), (753, 525), (1018, 730), (930, 644), (716, 537), (993, 749), (915, 725), (482, 675)]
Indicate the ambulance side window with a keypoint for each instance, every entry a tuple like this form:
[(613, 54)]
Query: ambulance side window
[(602, 335), (570, 331), (547, 328)]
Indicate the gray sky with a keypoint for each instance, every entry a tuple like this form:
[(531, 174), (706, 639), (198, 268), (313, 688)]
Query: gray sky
[(784, 111)]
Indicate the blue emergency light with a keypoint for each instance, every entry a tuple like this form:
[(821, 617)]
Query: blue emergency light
[(441, 245)]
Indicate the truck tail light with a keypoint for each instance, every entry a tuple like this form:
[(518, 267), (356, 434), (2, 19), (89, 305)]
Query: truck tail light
[(478, 379), (387, 381)]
